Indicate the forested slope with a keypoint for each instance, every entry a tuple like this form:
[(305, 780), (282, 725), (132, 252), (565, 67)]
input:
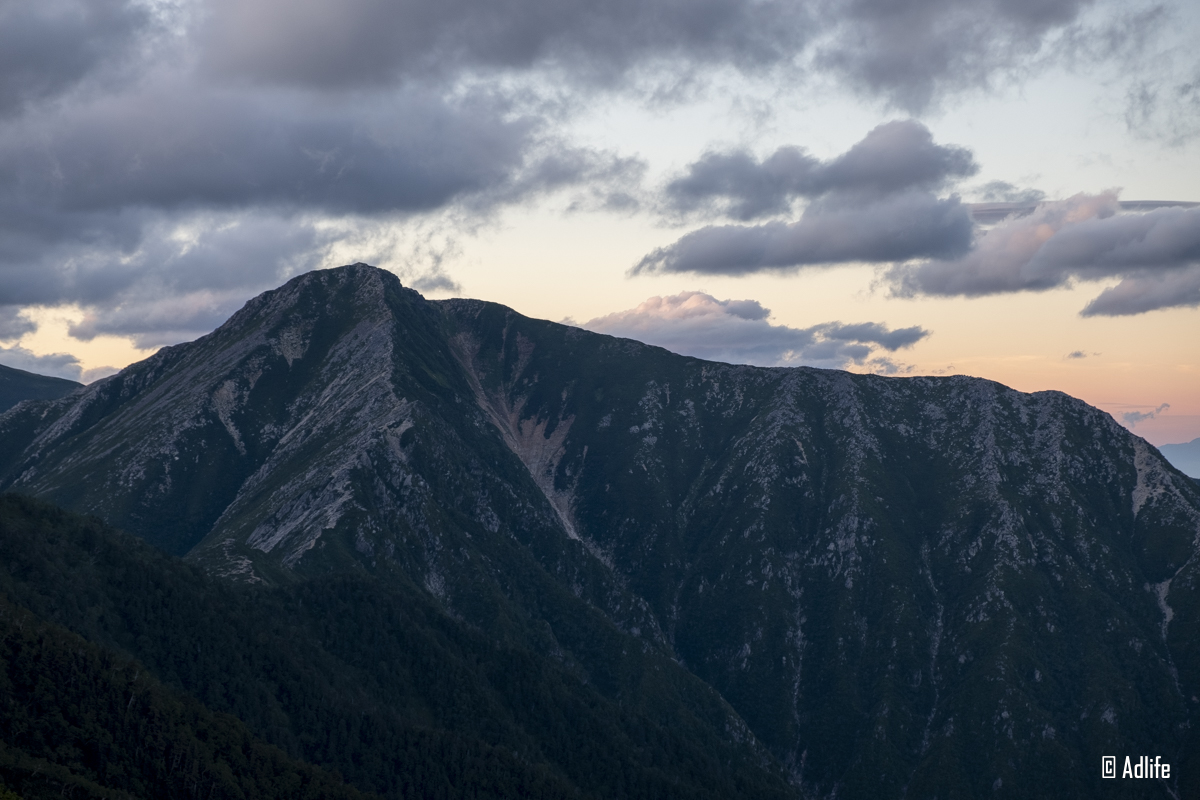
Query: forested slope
[(370, 680)]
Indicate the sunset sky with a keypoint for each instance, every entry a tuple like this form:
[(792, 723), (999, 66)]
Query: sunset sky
[(763, 181)]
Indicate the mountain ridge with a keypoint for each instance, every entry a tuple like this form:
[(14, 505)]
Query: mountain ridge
[(855, 563), (1184, 456), (18, 384)]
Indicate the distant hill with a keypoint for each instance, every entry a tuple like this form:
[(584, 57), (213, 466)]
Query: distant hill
[(17, 385), (1184, 457)]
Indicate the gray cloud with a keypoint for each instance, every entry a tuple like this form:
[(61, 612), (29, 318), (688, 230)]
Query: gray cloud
[(13, 325), (173, 290), (186, 274), (59, 365), (363, 42), (914, 51), (1100, 246), (96, 373), (743, 187), (1083, 238), (98, 258), (435, 282), (737, 331), (875, 202), (874, 332), (910, 52), (1141, 293), (893, 157), (176, 145), (893, 228), (168, 204), (159, 161), (1132, 418), (1005, 192), (159, 197), (897, 156), (1163, 101), (49, 46)]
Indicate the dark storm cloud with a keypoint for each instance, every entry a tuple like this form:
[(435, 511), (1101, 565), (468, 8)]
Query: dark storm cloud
[(737, 331), (1156, 253), (49, 46), (893, 157), (893, 228), (343, 43)]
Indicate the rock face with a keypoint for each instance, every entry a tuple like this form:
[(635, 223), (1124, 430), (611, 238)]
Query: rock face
[(903, 586)]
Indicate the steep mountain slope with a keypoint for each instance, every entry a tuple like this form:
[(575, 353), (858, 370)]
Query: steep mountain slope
[(81, 721), (17, 385), (366, 677), (922, 587), (886, 577)]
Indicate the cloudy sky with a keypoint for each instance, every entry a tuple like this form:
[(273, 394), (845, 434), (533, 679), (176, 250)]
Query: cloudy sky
[(776, 182)]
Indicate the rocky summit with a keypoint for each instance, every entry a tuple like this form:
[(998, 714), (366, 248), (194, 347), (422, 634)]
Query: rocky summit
[(870, 586)]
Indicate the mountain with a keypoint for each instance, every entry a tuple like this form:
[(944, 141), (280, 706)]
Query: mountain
[(900, 586), (79, 720), (369, 679), (17, 385), (1185, 457)]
